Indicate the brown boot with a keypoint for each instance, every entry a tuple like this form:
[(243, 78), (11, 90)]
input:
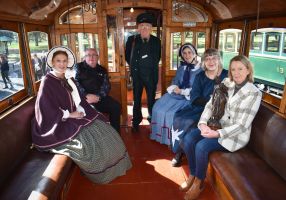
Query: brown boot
[(195, 190), (187, 184)]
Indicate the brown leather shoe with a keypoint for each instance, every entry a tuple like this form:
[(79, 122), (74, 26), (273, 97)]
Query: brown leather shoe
[(187, 184), (195, 191)]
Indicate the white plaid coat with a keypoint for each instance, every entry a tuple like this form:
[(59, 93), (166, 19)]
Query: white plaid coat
[(240, 111)]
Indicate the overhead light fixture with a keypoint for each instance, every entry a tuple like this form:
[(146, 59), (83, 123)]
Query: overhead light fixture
[(132, 10)]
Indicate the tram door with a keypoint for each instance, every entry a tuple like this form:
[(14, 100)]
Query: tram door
[(121, 23)]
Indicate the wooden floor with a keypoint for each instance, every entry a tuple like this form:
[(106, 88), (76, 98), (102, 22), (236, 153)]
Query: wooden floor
[(151, 178)]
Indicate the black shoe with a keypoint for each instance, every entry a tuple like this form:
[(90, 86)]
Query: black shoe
[(177, 160), (5, 87), (135, 129)]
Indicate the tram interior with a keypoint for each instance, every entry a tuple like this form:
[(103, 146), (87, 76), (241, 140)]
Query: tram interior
[(28, 29)]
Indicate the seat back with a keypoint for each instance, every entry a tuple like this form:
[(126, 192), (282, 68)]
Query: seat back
[(15, 138), (268, 139)]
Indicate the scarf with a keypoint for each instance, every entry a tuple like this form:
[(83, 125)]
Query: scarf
[(187, 76)]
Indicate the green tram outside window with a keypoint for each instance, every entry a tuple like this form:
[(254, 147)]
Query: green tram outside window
[(11, 80), (270, 62), (229, 44), (284, 45), (256, 42), (272, 43), (39, 47)]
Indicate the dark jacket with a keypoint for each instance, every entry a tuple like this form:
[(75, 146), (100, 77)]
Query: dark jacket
[(4, 66), (155, 53), (92, 80)]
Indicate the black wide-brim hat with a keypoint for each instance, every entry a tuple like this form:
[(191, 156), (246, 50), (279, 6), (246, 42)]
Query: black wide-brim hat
[(145, 18)]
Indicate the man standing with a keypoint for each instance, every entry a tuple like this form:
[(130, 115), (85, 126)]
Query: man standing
[(93, 82), (143, 53)]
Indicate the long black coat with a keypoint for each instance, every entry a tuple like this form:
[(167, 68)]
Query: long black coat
[(155, 44)]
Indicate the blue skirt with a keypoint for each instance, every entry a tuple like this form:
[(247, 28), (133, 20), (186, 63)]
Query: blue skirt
[(162, 116)]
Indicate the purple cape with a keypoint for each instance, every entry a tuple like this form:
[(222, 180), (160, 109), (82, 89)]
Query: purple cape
[(49, 130)]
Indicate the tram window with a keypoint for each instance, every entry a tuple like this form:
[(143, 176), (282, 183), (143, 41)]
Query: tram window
[(284, 44), (84, 41), (189, 37), (201, 42), (176, 43), (272, 42), (111, 51), (38, 44), (64, 40), (269, 62), (12, 77), (77, 15), (256, 41), (229, 44)]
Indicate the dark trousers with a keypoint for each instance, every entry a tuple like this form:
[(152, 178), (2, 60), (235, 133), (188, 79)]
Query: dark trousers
[(113, 108), (6, 78), (140, 82), (197, 149)]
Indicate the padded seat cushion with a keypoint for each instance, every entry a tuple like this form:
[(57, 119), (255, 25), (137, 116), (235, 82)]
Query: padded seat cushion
[(40, 172), (246, 176)]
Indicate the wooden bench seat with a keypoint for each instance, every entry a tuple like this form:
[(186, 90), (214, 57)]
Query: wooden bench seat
[(257, 172), (26, 173)]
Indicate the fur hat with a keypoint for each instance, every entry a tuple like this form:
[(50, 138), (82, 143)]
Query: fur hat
[(71, 56)]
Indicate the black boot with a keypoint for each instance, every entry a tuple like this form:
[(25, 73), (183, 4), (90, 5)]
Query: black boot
[(177, 160)]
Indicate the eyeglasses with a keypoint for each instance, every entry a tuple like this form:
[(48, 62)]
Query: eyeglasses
[(91, 55)]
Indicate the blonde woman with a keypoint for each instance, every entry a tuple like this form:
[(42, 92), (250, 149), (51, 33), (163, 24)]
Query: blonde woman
[(241, 107)]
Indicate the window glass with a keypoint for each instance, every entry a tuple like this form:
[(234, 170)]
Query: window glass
[(189, 37), (256, 41), (270, 62), (83, 42), (79, 14), (64, 40), (111, 51), (10, 60), (39, 47), (272, 42), (201, 42), (284, 44), (229, 44), (176, 41)]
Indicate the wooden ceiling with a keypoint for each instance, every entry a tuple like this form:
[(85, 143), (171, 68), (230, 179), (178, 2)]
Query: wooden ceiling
[(220, 9)]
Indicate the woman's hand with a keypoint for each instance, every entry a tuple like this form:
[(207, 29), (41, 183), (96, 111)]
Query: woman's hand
[(76, 115), (92, 98), (177, 90), (208, 132)]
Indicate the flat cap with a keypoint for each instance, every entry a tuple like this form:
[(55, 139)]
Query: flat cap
[(145, 18)]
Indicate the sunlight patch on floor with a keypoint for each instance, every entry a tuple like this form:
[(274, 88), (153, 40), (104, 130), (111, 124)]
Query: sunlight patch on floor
[(144, 111)]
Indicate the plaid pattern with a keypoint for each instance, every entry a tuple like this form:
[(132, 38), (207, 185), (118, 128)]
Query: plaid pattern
[(99, 151), (240, 111)]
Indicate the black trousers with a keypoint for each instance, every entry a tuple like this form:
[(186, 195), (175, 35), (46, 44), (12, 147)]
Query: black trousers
[(113, 108), (140, 82)]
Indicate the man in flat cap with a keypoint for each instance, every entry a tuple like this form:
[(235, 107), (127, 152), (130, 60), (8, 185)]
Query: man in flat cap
[(143, 53)]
